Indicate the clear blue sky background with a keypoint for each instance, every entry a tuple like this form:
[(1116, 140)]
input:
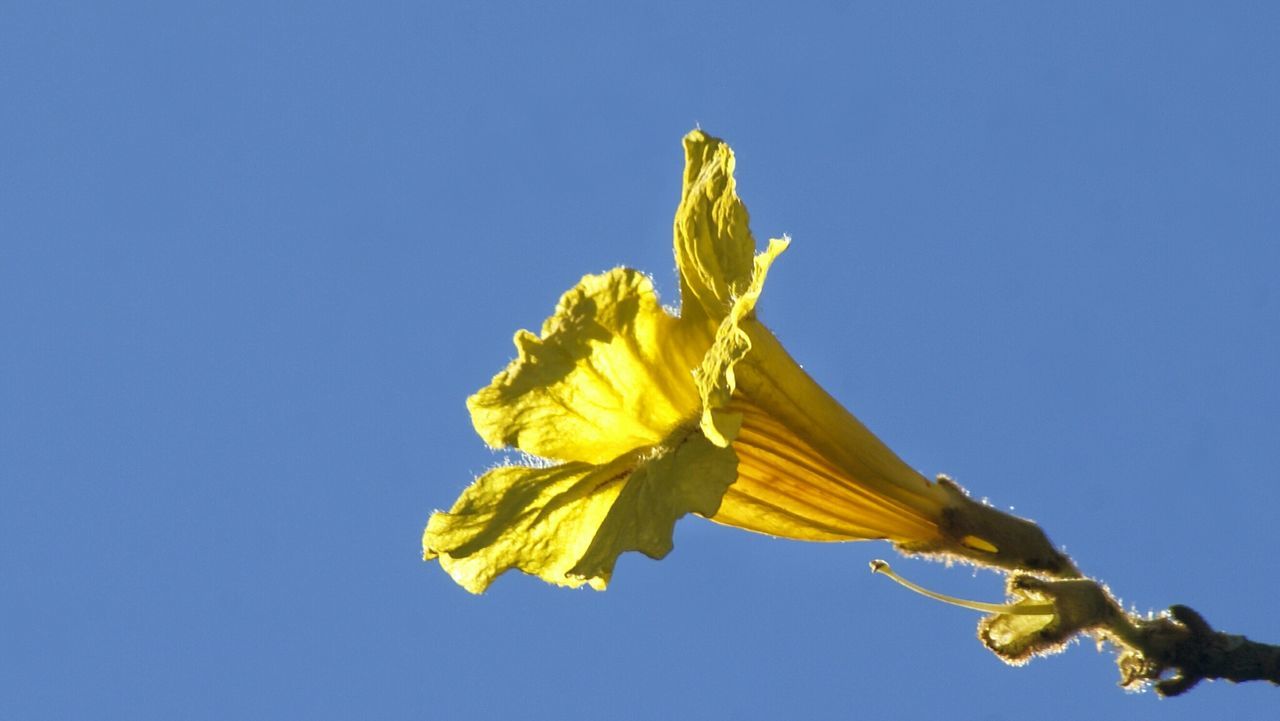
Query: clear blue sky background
[(254, 257)]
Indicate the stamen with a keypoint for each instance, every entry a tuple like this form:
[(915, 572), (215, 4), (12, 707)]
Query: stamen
[(1017, 609)]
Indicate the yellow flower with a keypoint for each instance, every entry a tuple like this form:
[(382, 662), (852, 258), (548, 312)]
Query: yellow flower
[(646, 416)]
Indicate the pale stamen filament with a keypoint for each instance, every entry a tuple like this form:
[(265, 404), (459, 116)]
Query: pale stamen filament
[(1033, 609)]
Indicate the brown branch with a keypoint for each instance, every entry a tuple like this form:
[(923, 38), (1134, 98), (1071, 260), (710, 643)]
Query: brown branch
[(1183, 642), (1172, 652)]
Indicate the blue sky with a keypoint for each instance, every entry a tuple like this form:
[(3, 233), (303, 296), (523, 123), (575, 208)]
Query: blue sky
[(254, 257)]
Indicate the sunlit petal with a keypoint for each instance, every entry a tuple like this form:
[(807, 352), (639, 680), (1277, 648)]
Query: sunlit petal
[(610, 373), (568, 524)]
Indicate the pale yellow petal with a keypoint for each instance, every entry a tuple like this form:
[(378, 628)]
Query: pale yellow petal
[(688, 476), (568, 524), (716, 375), (713, 243), (611, 372), (538, 520)]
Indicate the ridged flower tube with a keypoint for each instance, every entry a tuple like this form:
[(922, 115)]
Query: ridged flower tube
[(642, 416)]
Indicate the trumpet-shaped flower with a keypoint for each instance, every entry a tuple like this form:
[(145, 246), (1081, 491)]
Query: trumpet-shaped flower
[(645, 416)]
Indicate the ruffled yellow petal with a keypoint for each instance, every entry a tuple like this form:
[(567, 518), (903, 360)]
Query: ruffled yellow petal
[(539, 520), (713, 244), (686, 475), (611, 372), (568, 524), (716, 380)]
